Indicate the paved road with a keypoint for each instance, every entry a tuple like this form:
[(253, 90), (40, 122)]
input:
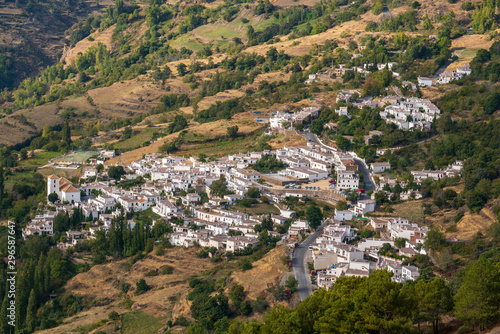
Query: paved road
[(311, 137), (443, 68), (300, 265), (366, 173)]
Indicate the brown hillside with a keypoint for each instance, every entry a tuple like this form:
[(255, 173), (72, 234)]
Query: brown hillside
[(167, 297), (34, 38), (267, 270)]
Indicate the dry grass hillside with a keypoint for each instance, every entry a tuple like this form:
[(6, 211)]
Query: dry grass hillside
[(267, 270), (204, 131), (26, 123), (353, 29), (127, 98), (465, 229), (472, 223), (167, 298), (104, 37)]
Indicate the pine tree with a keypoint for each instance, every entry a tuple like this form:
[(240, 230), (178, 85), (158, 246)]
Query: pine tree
[(31, 312), (22, 296), (478, 298), (434, 299)]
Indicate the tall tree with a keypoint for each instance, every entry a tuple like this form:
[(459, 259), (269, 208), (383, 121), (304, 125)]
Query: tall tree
[(434, 300), (237, 295), (31, 312), (314, 216), (67, 134), (434, 239), (232, 132), (250, 33), (219, 187), (267, 223), (4, 326), (1, 182), (478, 298)]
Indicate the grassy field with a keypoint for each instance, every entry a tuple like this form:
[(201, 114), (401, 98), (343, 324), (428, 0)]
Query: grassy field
[(411, 210), (215, 31), (138, 322), (187, 41), (263, 24), (258, 209), (146, 216), (220, 147), (40, 159), (144, 135), (304, 25), (77, 156)]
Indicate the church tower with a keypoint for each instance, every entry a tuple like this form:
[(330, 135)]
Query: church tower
[(52, 185)]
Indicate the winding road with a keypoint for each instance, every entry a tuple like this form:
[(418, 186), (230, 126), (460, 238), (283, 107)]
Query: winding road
[(300, 264)]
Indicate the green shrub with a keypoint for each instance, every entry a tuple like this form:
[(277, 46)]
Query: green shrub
[(151, 273), (125, 287), (181, 321), (245, 264), (458, 217), (167, 270), (113, 315), (141, 286)]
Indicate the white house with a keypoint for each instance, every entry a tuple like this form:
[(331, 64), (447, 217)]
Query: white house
[(300, 224), (191, 199), (89, 172), (311, 79), (343, 215), (380, 167), (424, 81), (233, 198), (347, 180), (305, 173), (410, 273), (247, 174), (164, 208), (464, 69), (364, 206)]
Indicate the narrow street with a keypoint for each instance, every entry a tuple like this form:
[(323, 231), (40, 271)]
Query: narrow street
[(299, 263), (366, 173)]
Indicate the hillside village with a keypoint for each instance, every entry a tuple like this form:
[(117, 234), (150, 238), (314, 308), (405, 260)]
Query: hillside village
[(180, 191), (257, 166)]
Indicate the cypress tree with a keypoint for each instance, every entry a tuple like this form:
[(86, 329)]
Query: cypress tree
[(4, 326), (31, 312), (40, 278), (46, 282), (1, 182), (22, 297), (67, 134), (3, 278)]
